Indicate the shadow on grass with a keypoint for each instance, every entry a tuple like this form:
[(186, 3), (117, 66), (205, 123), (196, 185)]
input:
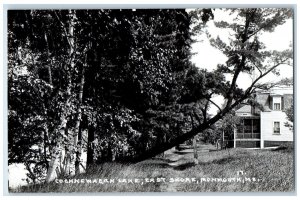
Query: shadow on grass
[(223, 160), (182, 152), (158, 165), (284, 149), (184, 166), (189, 164), (155, 163)]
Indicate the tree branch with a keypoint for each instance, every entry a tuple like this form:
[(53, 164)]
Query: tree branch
[(248, 91), (240, 65), (215, 104), (260, 72), (64, 29), (204, 112)]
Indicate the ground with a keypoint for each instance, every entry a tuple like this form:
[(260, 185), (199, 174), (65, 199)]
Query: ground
[(231, 170)]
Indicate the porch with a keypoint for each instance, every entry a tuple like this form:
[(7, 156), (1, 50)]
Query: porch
[(247, 134)]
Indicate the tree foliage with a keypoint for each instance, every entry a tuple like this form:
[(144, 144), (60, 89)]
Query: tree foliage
[(98, 69), (290, 116)]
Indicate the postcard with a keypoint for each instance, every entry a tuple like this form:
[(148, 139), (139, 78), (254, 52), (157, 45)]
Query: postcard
[(150, 100)]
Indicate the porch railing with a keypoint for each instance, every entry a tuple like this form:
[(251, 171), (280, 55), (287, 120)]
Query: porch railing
[(248, 135)]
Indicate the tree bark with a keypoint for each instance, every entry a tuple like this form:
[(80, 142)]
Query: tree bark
[(54, 163), (57, 150), (46, 130), (77, 136), (49, 66)]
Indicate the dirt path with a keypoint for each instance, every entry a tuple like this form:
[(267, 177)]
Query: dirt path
[(173, 160), (179, 160)]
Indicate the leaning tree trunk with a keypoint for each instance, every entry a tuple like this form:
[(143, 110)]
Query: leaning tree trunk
[(172, 142)]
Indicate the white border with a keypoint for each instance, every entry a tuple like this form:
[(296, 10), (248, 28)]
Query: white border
[(184, 3)]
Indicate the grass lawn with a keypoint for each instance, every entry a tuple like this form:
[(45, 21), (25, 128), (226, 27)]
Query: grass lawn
[(271, 170)]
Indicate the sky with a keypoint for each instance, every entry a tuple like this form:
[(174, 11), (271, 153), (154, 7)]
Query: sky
[(209, 57)]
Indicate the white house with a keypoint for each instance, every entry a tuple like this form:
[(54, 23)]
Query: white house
[(264, 125)]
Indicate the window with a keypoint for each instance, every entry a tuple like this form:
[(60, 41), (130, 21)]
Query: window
[(248, 128), (247, 125), (276, 127), (276, 106), (256, 125)]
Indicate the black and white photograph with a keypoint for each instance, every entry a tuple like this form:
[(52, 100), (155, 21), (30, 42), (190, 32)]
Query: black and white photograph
[(162, 100)]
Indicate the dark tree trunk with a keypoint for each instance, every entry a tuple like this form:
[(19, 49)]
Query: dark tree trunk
[(90, 150), (78, 152)]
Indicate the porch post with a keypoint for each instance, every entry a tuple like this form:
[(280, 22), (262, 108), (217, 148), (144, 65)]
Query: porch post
[(262, 145), (234, 138)]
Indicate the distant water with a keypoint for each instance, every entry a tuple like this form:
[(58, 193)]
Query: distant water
[(17, 173)]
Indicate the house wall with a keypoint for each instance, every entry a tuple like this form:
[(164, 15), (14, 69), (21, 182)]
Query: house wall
[(267, 127), (282, 95)]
